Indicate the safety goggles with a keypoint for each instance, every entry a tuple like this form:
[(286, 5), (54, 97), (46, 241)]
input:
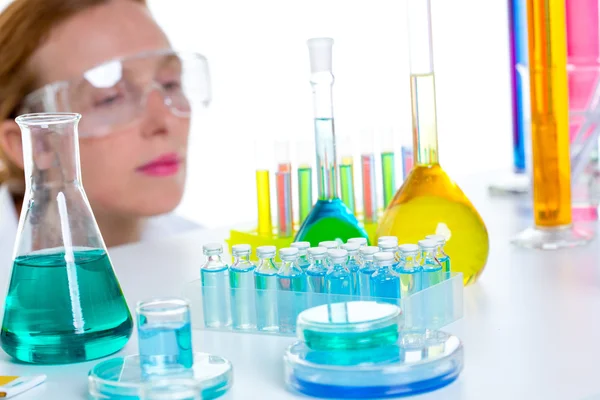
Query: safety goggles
[(115, 93)]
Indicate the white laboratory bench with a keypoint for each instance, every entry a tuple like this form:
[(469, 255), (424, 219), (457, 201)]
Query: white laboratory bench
[(531, 326)]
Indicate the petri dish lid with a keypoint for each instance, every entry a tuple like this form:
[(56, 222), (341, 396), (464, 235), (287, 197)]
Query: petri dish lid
[(348, 317), (419, 362), (121, 377)]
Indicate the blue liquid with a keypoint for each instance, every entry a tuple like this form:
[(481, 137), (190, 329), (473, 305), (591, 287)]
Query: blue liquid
[(445, 261), (266, 302), (215, 299), (385, 284), (329, 220), (432, 275), (353, 267), (410, 281), (364, 280), (291, 300), (51, 318), (338, 283), (165, 348), (303, 263), (243, 310), (316, 279), (520, 95)]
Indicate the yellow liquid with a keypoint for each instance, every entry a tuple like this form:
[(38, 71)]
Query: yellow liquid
[(263, 192), (430, 202)]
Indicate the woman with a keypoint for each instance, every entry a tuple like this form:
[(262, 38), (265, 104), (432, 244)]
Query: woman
[(109, 61)]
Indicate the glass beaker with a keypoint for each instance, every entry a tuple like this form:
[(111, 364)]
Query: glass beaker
[(64, 303)]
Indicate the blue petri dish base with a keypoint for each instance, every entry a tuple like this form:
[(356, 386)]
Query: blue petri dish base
[(419, 362), (121, 378)]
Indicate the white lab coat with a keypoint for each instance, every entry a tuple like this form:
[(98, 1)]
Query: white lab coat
[(156, 227)]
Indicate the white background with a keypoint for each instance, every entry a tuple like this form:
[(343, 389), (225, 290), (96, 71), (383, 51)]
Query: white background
[(260, 70)]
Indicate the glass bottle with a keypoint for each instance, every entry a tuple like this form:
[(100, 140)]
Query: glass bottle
[(360, 240), (330, 218), (64, 303), (432, 273), (302, 254), (440, 254), (367, 269), (241, 282), (291, 285), (429, 201), (385, 282), (215, 299), (338, 280), (353, 264), (409, 270), (265, 282), (389, 244), (317, 269)]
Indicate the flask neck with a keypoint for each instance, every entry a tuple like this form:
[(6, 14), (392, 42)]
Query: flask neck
[(322, 84), (424, 119)]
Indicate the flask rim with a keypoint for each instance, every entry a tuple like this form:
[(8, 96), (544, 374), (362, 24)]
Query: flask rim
[(45, 119)]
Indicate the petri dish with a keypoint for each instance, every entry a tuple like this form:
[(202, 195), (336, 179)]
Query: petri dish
[(353, 325), (421, 362), (120, 378)]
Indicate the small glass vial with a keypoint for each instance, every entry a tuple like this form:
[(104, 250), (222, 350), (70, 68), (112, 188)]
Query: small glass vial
[(409, 270), (215, 293), (265, 283), (440, 254), (291, 294), (353, 264), (315, 273), (338, 280), (241, 282), (389, 245), (302, 254), (432, 270), (385, 282), (382, 239), (330, 245), (367, 269), (172, 389), (362, 242), (164, 337)]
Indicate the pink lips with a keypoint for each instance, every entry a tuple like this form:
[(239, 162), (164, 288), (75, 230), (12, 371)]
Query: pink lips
[(165, 165)]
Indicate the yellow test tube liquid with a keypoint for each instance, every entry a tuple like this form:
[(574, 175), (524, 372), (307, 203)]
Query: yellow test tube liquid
[(263, 192)]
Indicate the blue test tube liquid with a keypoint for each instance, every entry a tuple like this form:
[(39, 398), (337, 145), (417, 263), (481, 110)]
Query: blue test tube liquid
[(215, 293), (315, 273), (241, 282), (409, 270), (353, 264), (302, 254), (367, 269), (291, 294), (265, 283), (440, 254), (432, 270), (338, 281), (385, 282)]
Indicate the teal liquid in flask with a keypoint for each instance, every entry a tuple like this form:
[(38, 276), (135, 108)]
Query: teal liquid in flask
[(64, 303), (329, 218)]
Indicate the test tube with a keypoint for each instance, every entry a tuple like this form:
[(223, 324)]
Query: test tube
[(367, 160), (407, 161), (172, 389), (164, 336), (285, 212), (347, 172), (264, 163), (388, 166), (550, 130), (305, 155)]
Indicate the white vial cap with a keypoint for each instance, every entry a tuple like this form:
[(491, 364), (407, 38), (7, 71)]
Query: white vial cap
[(427, 244), (408, 248), (360, 240), (266, 250), (329, 244), (387, 239), (301, 245), (384, 256), (439, 239), (319, 50), (288, 251), (212, 247), (317, 251), (369, 250), (337, 254), (351, 247), (240, 248)]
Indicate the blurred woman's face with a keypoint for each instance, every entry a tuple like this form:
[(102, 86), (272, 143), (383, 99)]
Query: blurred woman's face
[(138, 169)]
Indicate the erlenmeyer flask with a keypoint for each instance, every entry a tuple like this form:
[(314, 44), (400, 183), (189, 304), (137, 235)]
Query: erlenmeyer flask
[(64, 303), (429, 201)]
